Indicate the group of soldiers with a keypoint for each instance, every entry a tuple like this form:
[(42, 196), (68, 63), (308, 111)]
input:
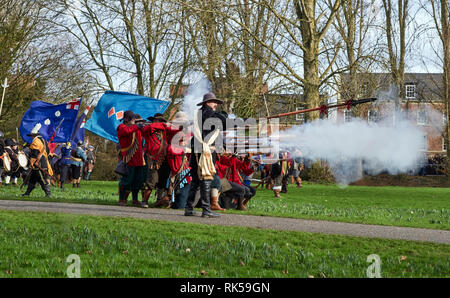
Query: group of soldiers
[(13, 162), (156, 154), (37, 164), (276, 176), (72, 164), (178, 160)]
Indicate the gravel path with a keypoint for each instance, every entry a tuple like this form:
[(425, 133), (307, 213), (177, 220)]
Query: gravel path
[(262, 222)]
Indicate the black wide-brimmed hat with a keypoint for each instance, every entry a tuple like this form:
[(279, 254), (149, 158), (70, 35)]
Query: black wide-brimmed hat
[(138, 118), (9, 142), (157, 116), (128, 115), (210, 97)]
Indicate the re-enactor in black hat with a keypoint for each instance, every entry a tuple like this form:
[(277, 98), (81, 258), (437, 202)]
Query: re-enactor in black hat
[(207, 111)]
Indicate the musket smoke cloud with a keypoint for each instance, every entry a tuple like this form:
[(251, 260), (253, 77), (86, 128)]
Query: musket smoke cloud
[(194, 96), (353, 147)]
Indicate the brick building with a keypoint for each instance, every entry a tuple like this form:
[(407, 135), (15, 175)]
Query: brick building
[(422, 104)]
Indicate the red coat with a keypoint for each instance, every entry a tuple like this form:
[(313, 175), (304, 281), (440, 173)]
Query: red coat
[(171, 132), (234, 166), (125, 135), (152, 134), (174, 159), (221, 169)]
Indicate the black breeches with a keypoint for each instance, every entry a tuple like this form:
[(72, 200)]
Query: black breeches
[(250, 192), (37, 176)]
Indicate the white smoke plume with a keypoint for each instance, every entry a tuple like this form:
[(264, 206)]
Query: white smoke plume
[(194, 96), (353, 147)]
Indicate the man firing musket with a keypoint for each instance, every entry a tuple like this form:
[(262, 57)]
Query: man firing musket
[(41, 171)]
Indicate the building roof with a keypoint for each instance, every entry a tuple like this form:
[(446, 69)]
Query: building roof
[(428, 86)]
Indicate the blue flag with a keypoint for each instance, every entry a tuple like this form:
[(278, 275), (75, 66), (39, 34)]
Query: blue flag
[(57, 120), (112, 105), (78, 131)]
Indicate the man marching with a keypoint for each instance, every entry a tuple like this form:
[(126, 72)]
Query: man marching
[(40, 167), (77, 160), (90, 162), (11, 150), (208, 124), (65, 162)]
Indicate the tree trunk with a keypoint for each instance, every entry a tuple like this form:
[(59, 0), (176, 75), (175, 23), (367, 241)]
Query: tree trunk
[(397, 60), (446, 76), (306, 15)]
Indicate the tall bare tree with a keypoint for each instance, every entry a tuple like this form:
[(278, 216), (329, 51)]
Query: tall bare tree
[(36, 61), (248, 65), (354, 23), (299, 48), (440, 13), (138, 40), (396, 37)]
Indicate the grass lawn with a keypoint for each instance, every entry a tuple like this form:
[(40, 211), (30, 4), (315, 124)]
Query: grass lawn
[(38, 244), (400, 206)]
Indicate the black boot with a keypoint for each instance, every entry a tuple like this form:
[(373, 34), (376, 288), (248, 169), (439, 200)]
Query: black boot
[(205, 192), (46, 188), (29, 190), (189, 209)]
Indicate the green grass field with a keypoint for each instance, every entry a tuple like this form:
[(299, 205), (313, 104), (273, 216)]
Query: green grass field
[(38, 244), (398, 206)]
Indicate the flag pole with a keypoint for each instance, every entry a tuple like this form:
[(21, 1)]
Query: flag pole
[(56, 130), (5, 85)]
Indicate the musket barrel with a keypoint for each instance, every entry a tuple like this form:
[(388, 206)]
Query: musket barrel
[(364, 100), (351, 102)]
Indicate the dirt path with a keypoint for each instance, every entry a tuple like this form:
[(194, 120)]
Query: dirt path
[(262, 222)]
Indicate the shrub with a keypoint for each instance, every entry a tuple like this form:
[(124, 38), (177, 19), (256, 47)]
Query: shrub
[(318, 172), (104, 167)]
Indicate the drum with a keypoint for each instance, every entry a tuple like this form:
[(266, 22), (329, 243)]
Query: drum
[(23, 160), (6, 162)]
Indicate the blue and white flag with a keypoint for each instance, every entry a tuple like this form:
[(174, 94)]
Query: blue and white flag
[(78, 131), (57, 120), (109, 111)]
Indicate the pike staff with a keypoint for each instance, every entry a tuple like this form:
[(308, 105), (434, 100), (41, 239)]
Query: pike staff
[(5, 85)]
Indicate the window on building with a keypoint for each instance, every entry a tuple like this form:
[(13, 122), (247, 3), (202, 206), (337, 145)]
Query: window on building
[(425, 143), (365, 89), (444, 146), (372, 116), (300, 117), (410, 90), (348, 115), (422, 117)]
